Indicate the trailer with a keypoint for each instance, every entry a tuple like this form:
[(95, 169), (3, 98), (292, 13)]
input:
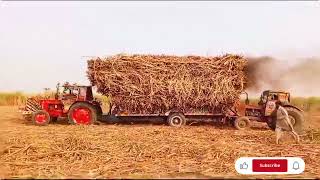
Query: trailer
[(172, 118)]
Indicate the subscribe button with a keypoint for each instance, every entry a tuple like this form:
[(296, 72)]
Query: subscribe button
[(270, 165)]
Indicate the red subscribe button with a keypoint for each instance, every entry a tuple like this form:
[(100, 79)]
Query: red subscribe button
[(269, 165)]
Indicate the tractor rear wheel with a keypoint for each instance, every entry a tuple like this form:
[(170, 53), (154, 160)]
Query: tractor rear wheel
[(40, 118), (296, 118), (176, 120), (82, 113), (242, 123)]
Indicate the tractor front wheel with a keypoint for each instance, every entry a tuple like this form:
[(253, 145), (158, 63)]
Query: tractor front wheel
[(40, 118), (82, 113), (241, 123)]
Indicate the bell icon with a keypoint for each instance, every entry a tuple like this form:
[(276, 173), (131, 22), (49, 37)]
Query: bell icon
[(295, 165)]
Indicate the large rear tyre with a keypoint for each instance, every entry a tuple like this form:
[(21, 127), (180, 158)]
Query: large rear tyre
[(176, 120), (242, 123), (296, 118), (40, 118), (82, 113)]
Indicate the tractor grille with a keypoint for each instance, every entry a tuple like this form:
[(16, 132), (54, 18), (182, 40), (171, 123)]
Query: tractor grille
[(32, 105)]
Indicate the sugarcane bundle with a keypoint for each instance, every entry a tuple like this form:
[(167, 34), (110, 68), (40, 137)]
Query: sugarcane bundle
[(159, 83)]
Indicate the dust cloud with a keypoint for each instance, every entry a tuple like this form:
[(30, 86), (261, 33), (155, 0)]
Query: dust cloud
[(300, 77)]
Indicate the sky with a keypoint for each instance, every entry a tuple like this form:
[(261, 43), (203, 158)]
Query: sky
[(42, 43)]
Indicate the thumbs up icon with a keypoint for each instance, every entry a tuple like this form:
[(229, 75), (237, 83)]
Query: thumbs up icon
[(244, 166)]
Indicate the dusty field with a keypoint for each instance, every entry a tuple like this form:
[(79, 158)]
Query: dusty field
[(140, 151)]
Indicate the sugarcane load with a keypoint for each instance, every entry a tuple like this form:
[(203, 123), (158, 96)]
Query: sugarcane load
[(159, 83)]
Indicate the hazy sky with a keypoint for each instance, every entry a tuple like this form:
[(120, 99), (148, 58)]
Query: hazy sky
[(42, 43)]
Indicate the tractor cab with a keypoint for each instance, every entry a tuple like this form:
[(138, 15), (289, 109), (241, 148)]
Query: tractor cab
[(283, 97), (68, 92), (269, 98)]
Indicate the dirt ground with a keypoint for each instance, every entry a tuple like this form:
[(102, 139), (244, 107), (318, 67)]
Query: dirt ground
[(142, 150)]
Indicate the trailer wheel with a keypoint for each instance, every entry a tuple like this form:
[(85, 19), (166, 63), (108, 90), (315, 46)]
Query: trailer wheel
[(241, 123), (176, 120), (82, 113), (40, 118)]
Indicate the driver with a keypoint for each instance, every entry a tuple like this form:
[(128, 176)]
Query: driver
[(283, 123)]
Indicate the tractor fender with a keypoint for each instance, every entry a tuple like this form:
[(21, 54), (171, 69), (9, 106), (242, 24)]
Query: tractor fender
[(76, 102), (293, 107)]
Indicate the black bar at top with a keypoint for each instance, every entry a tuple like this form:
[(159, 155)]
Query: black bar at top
[(162, 0)]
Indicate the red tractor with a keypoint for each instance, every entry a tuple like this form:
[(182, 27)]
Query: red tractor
[(74, 102)]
